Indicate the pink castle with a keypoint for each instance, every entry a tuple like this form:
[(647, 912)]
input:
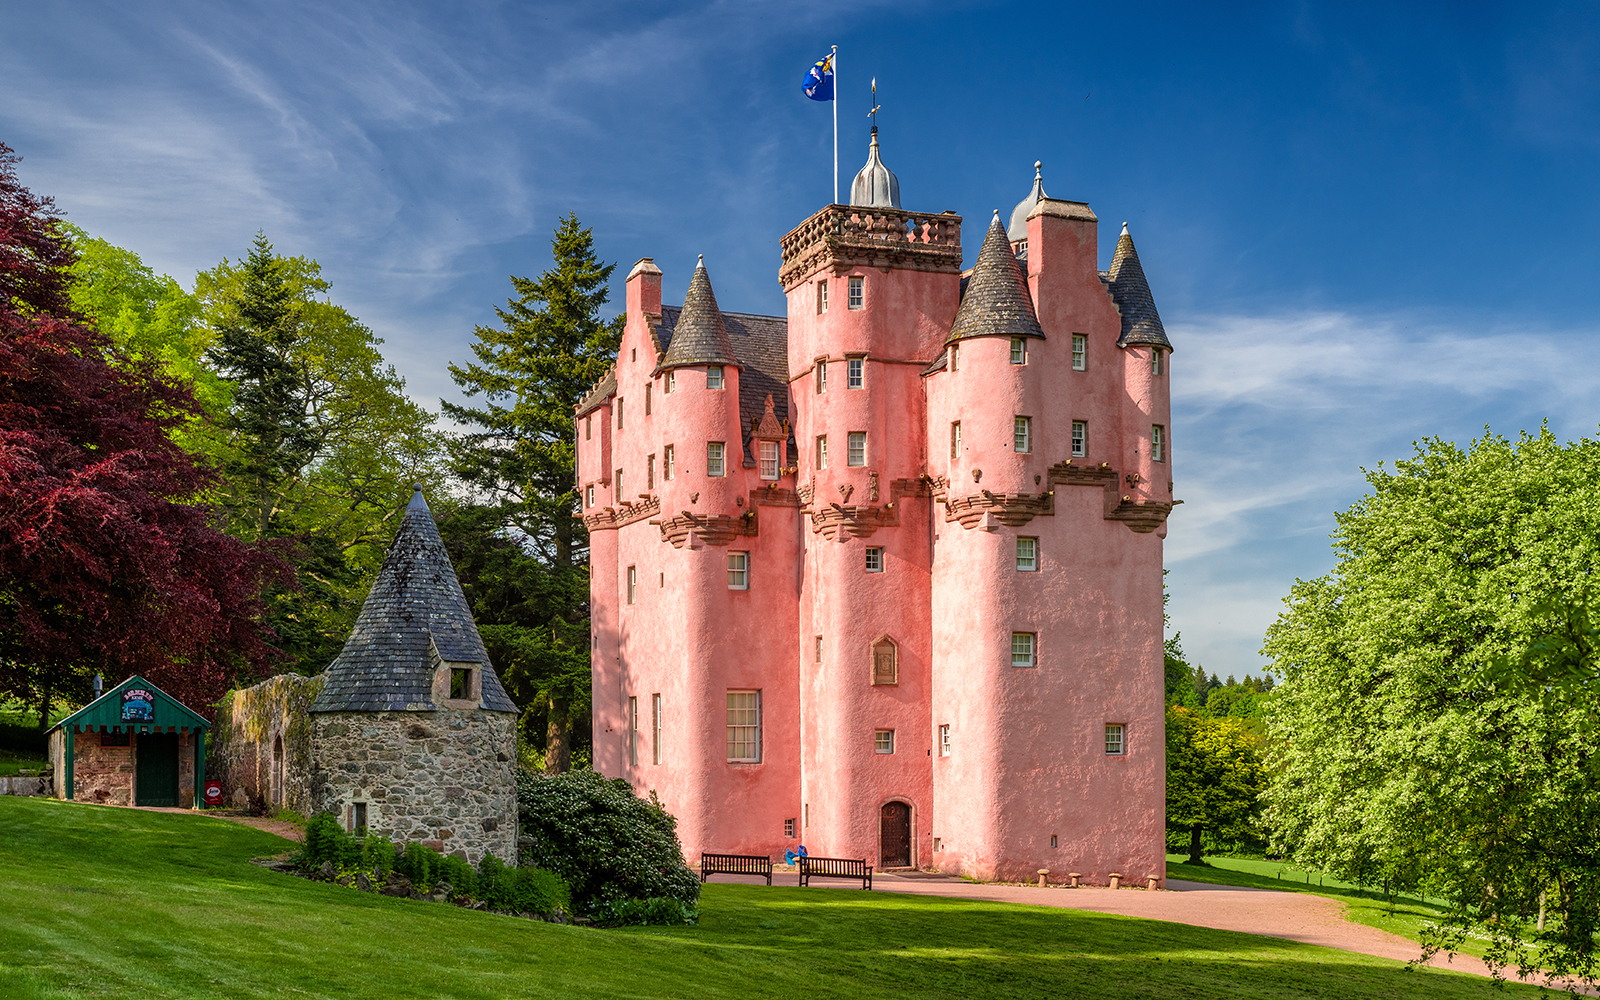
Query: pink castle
[(883, 577)]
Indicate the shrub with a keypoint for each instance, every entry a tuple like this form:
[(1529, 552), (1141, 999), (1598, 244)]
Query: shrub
[(459, 874), (609, 845), (522, 890), (325, 841), (377, 856), (657, 911), (420, 864)]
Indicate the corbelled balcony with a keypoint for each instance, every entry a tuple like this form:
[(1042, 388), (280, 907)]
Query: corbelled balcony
[(844, 235)]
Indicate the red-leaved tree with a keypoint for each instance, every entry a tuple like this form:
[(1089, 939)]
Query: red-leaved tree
[(108, 562)]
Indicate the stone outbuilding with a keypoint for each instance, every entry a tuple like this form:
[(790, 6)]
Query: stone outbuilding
[(135, 745)]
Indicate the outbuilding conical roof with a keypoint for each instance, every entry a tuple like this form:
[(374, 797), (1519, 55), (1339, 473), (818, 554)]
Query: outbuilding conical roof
[(997, 302), (700, 336), (1141, 324), (415, 617)]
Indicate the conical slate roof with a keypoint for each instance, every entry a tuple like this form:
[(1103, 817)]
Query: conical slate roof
[(875, 185), (415, 607), (1141, 324), (997, 302), (700, 336), (1018, 230)]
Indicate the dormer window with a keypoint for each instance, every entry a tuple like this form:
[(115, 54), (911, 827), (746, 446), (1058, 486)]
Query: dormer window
[(769, 459), (456, 685), (460, 683), (713, 376)]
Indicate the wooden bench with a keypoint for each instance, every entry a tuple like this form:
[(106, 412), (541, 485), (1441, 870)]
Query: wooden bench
[(851, 868), (735, 864)]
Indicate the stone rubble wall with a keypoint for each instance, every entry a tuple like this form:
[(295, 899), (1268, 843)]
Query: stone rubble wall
[(444, 778), (17, 784), (249, 724), (102, 774)]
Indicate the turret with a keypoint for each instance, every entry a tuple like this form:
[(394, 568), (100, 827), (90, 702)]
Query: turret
[(700, 382)]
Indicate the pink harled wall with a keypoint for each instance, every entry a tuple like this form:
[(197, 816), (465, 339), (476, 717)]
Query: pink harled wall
[(844, 609)]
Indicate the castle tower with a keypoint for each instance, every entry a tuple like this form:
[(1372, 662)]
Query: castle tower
[(871, 291), (412, 736)]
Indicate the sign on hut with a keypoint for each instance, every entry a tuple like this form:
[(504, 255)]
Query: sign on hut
[(134, 745)]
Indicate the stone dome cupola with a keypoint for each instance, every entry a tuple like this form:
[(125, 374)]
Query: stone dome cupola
[(1017, 232), (875, 186), (700, 336)]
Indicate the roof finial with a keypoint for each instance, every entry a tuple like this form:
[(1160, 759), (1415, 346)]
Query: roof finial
[(1125, 229), (702, 265), (876, 107), (1038, 169)]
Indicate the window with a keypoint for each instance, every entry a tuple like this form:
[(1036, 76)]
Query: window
[(633, 730), (944, 740), (853, 371), (1027, 555), (883, 741), (769, 459), (588, 427), (856, 449), (460, 683), (738, 571), (822, 297), (1052, 840), (885, 662), (857, 293), (744, 726), (672, 382), (662, 579), (655, 729), (650, 472), (822, 451), (647, 388), (1080, 438), (633, 355), (1115, 744), (619, 413), (955, 357), (714, 450), (1019, 351), (1158, 444), (616, 486), (667, 462), (1022, 434), (713, 376), (817, 658), (588, 497), (1080, 346), (788, 828), (358, 818), (955, 440), (874, 559), (821, 370), (1155, 361), (1022, 653), (633, 583)]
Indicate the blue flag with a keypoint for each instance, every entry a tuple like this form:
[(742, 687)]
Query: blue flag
[(819, 80)]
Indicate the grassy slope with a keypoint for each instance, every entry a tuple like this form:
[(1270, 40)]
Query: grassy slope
[(97, 901)]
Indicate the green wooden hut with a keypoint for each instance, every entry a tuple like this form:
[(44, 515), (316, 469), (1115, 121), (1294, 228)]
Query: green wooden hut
[(134, 745)]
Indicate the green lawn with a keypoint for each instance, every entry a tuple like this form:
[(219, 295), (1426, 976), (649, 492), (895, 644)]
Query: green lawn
[(97, 901)]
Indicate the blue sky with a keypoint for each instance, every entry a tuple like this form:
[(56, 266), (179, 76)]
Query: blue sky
[(1363, 224)]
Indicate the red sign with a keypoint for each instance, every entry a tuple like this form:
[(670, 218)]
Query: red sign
[(213, 792)]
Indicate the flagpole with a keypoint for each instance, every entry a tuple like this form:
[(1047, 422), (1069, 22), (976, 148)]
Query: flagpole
[(836, 124)]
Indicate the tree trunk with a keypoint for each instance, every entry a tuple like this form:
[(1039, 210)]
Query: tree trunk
[(1194, 846), (44, 707), (558, 740)]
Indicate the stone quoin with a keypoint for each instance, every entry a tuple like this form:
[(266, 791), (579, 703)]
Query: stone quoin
[(883, 576)]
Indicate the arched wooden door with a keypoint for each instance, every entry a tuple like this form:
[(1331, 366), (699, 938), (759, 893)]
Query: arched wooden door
[(894, 835)]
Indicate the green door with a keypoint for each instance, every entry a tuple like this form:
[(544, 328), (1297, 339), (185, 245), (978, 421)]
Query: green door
[(156, 770)]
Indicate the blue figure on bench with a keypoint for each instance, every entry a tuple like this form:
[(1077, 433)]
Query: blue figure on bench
[(790, 857)]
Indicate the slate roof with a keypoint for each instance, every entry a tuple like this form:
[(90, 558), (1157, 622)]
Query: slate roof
[(603, 390), (701, 334), (387, 663), (996, 301), (1141, 324)]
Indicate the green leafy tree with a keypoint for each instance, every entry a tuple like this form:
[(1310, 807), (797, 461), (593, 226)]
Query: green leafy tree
[(518, 453), (1401, 752), (1214, 778)]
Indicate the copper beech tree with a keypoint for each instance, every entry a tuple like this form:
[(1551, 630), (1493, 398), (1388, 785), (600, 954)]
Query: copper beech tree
[(107, 562)]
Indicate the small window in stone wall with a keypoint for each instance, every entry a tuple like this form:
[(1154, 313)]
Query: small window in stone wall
[(885, 662), (460, 683), (358, 819)]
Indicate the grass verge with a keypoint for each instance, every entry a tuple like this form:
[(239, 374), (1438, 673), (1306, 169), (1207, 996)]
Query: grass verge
[(99, 901)]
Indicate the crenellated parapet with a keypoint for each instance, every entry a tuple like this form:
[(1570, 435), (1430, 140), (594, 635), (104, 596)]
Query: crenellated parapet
[(841, 236)]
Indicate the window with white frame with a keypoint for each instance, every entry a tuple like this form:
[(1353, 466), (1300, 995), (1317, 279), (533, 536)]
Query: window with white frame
[(955, 357), (944, 740), (738, 571), (655, 729), (1080, 438), (633, 583), (713, 376), (1019, 350), (633, 730), (854, 372), (856, 449), (858, 295), (1027, 555), (955, 440), (883, 741), (668, 461), (1116, 739), (822, 296), (1156, 366), (822, 451), (769, 459), (714, 455), (744, 726), (1022, 434), (820, 370), (874, 559), (1023, 653), (671, 383), (1158, 443), (1080, 350), (588, 496)]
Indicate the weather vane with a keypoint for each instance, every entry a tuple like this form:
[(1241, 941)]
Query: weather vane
[(873, 114)]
